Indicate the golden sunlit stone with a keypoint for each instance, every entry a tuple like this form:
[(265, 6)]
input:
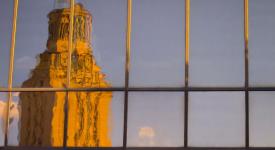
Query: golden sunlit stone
[(42, 113)]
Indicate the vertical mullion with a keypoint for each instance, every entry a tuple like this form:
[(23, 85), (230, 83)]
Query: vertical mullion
[(11, 68), (65, 132), (246, 38), (127, 70), (186, 81)]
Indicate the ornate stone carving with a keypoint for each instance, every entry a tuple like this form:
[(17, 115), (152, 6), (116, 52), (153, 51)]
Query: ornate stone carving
[(42, 113)]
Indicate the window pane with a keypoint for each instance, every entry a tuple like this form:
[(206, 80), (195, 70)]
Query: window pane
[(157, 56), (84, 108), (262, 121), (95, 119), (216, 48), (41, 119), (216, 119), (100, 42), (262, 42), (6, 13), (3, 109), (38, 62), (156, 119)]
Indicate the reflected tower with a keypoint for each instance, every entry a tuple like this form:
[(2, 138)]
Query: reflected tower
[(42, 113)]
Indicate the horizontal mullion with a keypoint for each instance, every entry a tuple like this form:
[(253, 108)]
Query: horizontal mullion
[(59, 148), (58, 89), (137, 89), (198, 148), (133, 148)]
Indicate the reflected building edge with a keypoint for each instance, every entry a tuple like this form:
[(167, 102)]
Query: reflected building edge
[(42, 113)]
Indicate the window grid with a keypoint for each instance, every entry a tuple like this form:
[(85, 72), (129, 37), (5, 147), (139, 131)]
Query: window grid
[(126, 88)]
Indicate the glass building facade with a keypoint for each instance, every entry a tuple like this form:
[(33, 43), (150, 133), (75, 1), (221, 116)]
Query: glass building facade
[(137, 74)]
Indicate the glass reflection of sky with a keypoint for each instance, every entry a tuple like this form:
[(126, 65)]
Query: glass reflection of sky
[(161, 47)]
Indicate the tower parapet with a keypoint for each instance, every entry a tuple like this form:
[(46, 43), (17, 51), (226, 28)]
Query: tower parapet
[(59, 28)]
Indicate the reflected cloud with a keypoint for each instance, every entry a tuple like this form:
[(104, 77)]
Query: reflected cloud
[(14, 114), (146, 132), (146, 136)]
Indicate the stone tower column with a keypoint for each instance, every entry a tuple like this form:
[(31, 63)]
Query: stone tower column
[(42, 113)]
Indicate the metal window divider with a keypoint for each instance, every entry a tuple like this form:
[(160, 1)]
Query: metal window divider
[(70, 49), (11, 68), (127, 71), (186, 81), (246, 52), (141, 89)]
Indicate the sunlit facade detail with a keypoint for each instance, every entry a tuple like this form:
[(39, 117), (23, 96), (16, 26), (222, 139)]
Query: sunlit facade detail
[(42, 113)]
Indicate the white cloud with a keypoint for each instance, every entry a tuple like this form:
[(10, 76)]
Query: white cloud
[(14, 113), (146, 136), (14, 118), (146, 132)]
